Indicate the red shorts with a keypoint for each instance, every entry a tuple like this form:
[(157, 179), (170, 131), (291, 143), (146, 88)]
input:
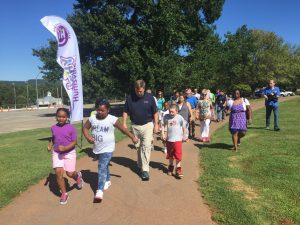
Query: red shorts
[(174, 150)]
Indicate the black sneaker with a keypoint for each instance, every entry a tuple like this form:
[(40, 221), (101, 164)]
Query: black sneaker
[(170, 170), (276, 128), (145, 176)]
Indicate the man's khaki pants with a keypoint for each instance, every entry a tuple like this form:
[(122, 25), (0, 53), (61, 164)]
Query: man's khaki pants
[(145, 135)]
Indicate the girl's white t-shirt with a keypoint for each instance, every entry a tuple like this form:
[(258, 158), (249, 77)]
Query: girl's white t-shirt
[(103, 132)]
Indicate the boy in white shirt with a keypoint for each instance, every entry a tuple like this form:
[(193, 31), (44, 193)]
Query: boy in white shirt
[(173, 132)]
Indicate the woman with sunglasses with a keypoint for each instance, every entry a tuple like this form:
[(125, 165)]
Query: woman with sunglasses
[(205, 112)]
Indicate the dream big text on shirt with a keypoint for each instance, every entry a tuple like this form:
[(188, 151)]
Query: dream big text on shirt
[(103, 133)]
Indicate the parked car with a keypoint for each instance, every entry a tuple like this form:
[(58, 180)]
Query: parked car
[(258, 93), (285, 93)]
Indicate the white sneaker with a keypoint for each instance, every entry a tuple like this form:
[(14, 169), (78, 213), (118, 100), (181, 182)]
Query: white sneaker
[(107, 185), (165, 150), (98, 196)]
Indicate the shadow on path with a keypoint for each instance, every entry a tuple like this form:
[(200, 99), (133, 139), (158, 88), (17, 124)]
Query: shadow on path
[(53, 187), (132, 165), (89, 152), (126, 162), (91, 178)]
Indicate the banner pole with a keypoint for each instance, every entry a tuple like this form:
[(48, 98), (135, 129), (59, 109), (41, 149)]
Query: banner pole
[(81, 134)]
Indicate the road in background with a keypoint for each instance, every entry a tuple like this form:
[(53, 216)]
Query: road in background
[(18, 120)]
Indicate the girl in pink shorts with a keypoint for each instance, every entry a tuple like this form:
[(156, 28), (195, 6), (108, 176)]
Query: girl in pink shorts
[(62, 145)]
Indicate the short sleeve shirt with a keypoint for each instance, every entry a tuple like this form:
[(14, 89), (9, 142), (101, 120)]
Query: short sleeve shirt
[(160, 103), (246, 102), (174, 127), (193, 101), (220, 100), (63, 135), (204, 107), (103, 133), (140, 109)]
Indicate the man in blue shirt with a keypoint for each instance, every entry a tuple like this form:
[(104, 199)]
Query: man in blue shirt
[(271, 95), (142, 109), (193, 102)]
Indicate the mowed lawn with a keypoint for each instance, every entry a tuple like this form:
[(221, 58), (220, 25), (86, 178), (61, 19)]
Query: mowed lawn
[(260, 184), (24, 160)]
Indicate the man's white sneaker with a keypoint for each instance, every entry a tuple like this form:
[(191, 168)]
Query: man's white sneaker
[(107, 185), (165, 150), (98, 196)]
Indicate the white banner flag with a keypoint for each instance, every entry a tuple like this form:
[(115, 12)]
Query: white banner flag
[(68, 58)]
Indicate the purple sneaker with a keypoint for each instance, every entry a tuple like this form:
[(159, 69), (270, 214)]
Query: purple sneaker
[(64, 198)]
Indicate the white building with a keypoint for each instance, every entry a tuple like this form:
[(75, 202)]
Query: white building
[(49, 100)]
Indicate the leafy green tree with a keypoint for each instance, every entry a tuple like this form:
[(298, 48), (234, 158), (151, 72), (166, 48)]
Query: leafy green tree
[(203, 64), (251, 57), (270, 59), (124, 40), (236, 58)]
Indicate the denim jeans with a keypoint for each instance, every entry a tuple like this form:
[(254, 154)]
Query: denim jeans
[(103, 169), (269, 110), (220, 112)]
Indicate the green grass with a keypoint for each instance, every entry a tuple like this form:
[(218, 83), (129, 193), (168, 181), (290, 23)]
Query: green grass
[(260, 184), (25, 160)]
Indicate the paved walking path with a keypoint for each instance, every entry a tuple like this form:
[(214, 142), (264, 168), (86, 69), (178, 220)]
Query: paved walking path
[(162, 200)]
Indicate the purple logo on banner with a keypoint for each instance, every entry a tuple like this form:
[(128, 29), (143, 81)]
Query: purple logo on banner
[(62, 35)]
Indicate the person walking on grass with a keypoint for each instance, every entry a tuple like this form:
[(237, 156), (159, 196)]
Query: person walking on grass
[(62, 144), (173, 132), (102, 126), (271, 95), (205, 112), (237, 118), (220, 105), (142, 109)]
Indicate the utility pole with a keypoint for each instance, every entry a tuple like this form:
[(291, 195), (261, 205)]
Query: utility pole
[(37, 93), (15, 95), (27, 93), (57, 93), (61, 94)]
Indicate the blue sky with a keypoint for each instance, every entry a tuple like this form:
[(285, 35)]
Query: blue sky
[(21, 28)]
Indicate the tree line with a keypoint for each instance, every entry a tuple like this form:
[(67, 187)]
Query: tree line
[(171, 45), (25, 93)]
